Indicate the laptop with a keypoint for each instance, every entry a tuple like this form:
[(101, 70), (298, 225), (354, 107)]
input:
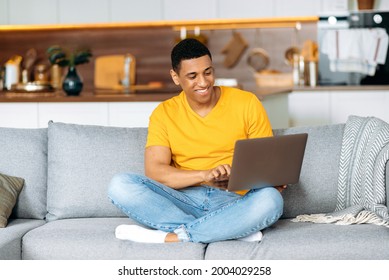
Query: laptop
[(268, 161)]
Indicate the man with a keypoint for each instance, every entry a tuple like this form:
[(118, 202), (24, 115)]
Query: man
[(188, 156)]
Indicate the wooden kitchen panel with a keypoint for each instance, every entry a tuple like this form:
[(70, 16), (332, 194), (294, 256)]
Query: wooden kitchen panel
[(151, 44), (151, 47)]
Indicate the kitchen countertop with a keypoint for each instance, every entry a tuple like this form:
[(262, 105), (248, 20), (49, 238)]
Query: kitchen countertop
[(158, 95), (343, 88)]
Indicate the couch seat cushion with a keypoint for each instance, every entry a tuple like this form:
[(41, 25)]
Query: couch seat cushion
[(94, 239), (287, 240), (11, 237)]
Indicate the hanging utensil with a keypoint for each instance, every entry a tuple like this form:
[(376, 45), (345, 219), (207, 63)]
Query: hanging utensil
[(28, 62), (294, 50), (234, 50), (258, 58)]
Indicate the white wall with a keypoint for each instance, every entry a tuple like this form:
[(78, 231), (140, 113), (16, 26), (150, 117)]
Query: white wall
[(3, 11), (83, 11), (144, 10), (31, 12), (90, 11)]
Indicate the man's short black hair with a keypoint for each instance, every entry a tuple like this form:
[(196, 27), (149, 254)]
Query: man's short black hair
[(188, 49)]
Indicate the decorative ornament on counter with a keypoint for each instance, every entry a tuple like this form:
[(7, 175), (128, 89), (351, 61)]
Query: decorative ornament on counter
[(72, 83)]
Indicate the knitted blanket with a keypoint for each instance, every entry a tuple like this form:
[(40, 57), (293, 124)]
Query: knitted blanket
[(361, 196)]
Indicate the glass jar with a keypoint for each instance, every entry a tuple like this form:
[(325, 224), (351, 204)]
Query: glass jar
[(41, 73)]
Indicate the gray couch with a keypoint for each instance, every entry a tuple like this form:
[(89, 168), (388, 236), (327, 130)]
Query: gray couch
[(63, 211)]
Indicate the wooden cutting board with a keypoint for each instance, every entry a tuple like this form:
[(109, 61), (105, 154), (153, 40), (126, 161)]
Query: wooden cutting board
[(234, 50), (109, 71)]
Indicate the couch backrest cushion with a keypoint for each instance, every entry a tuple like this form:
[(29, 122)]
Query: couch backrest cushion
[(23, 153), (82, 160), (316, 191)]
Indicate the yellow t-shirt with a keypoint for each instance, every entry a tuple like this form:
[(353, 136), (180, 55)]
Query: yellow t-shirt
[(200, 143)]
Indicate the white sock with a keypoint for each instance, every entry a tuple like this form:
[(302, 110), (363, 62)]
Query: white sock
[(254, 237), (140, 234)]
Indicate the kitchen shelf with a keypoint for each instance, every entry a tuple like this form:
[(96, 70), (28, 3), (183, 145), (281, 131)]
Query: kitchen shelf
[(213, 24), (218, 24)]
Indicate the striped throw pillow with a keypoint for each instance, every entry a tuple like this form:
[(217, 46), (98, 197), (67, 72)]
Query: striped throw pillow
[(10, 187)]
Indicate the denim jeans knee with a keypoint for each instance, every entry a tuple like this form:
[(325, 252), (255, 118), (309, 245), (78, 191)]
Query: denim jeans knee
[(120, 184)]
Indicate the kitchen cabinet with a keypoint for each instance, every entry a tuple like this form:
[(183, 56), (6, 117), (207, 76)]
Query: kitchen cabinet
[(32, 12), (128, 11), (19, 115), (130, 114), (83, 11), (276, 106), (296, 7), (361, 103), (37, 12), (3, 12), (38, 114), (91, 11), (334, 106), (250, 9), (94, 113), (121, 114), (190, 10), (309, 108), (383, 5)]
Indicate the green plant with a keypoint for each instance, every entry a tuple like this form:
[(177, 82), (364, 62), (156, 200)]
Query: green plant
[(63, 57)]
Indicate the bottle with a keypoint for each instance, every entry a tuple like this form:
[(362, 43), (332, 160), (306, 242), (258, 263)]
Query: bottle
[(12, 71), (55, 76), (301, 71), (296, 70), (313, 73), (126, 82), (128, 73), (1, 78)]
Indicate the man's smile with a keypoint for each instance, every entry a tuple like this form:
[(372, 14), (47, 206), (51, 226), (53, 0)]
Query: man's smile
[(202, 91)]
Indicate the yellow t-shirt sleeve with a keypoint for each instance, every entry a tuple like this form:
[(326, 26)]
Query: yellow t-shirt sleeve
[(157, 131), (259, 124)]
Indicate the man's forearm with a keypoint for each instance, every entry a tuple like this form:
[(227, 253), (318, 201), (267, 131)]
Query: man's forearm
[(174, 177)]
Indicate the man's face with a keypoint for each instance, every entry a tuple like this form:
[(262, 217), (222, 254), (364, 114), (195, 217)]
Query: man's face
[(196, 78)]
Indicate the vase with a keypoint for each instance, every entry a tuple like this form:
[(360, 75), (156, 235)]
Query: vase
[(72, 83)]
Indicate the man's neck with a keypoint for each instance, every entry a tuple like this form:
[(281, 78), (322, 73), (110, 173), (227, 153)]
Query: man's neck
[(203, 109)]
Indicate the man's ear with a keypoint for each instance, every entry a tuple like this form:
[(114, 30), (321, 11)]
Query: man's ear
[(174, 76)]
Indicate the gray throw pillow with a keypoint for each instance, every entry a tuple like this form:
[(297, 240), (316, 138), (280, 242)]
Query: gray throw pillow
[(82, 159), (10, 187)]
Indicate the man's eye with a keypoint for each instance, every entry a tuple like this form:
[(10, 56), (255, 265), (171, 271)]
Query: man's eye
[(192, 77)]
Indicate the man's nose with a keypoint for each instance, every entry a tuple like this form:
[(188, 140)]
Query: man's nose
[(202, 81)]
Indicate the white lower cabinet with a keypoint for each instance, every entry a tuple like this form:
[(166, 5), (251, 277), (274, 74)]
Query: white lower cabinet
[(37, 115), (331, 107), (309, 108), (19, 115), (360, 103), (93, 113), (299, 108), (276, 106), (130, 114)]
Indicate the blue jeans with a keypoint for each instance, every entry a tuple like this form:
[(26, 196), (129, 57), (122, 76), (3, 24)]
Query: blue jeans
[(196, 214)]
